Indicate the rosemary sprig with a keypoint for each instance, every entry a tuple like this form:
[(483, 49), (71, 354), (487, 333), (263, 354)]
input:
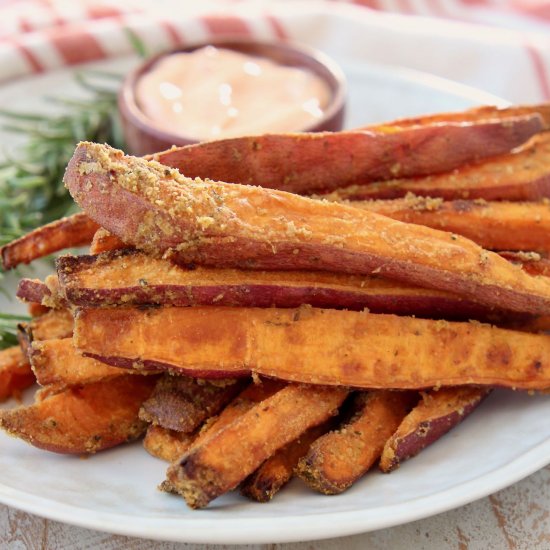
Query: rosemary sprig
[(8, 328), (31, 187)]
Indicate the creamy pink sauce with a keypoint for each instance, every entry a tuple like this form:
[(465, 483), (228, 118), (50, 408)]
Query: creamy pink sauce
[(213, 93)]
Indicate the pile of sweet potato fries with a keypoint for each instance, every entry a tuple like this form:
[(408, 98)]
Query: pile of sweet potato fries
[(280, 305)]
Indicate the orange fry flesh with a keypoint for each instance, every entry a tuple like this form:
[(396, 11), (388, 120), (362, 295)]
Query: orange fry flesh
[(165, 444), (492, 225), (56, 361), (15, 373), (84, 419), (316, 346), (104, 241)]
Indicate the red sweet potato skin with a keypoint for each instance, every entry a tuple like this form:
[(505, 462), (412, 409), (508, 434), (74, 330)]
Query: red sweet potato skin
[(227, 225), (182, 403), (32, 290), (432, 418), (45, 294), (305, 163), (76, 230), (485, 112), (129, 277), (522, 175)]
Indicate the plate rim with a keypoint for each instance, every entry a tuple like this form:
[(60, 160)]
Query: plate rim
[(197, 529)]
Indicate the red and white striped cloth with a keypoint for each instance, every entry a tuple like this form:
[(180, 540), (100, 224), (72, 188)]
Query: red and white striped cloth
[(496, 45)]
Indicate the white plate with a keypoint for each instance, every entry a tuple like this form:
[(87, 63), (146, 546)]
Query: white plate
[(507, 439)]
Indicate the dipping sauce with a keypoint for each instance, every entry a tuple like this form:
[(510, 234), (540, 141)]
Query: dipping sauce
[(213, 93)]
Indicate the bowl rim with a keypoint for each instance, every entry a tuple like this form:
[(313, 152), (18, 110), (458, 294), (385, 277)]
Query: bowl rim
[(322, 65)]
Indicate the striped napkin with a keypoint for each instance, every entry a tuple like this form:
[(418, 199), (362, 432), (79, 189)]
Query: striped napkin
[(500, 46)]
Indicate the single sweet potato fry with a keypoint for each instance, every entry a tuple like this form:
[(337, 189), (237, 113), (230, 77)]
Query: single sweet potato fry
[(76, 230), (485, 112), (160, 211), (338, 459), (315, 346), (15, 373), (522, 175), (182, 404), (305, 163), (104, 241), (83, 419), (248, 398), (433, 417), (32, 290), (45, 293), (165, 444), (129, 277), (223, 460), (57, 323), (492, 225), (263, 484), (56, 361)]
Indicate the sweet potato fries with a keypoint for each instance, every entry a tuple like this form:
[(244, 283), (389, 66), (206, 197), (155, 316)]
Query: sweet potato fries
[(257, 332), (220, 224)]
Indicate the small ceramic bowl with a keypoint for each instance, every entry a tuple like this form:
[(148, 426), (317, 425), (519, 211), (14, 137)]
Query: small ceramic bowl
[(142, 137)]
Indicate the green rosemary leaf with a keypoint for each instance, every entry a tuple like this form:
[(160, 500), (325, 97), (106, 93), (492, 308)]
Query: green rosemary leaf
[(8, 329), (21, 116), (10, 318), (8, 339), (137, 43)]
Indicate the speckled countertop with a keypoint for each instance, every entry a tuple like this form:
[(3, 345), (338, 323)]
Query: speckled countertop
[(515, 518)]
